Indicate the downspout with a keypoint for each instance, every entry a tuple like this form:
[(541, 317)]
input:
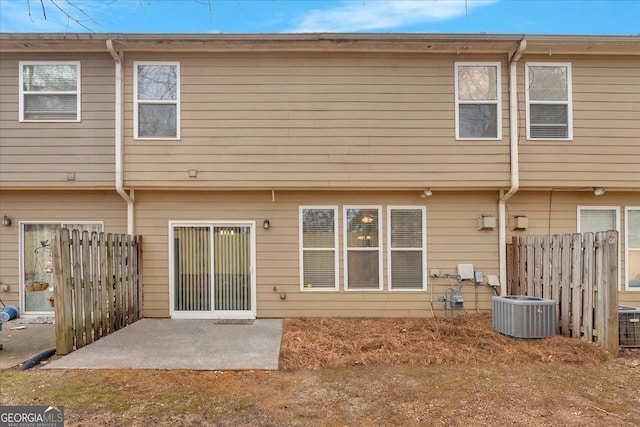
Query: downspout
[(515, 167), (119, 142)]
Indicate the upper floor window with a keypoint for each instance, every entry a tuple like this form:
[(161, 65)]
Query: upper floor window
[(49, 91), (157, 100), (478, 112), (549, 100), (362, 242)]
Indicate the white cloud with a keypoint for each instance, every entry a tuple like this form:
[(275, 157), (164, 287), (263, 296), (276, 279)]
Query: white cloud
[(367, 15)]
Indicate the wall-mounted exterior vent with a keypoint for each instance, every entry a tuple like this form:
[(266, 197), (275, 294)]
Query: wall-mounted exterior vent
[(629, 321), (524, 317)]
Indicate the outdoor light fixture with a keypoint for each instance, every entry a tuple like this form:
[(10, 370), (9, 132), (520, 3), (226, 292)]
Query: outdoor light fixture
[(598, 191), (426, 193), (6, 221), (266, 224)]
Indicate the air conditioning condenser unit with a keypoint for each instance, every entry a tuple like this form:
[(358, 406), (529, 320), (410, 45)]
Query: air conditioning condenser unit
[(524, 316)]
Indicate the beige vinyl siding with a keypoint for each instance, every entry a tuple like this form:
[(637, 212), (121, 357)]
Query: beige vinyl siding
[(452, 238), (37, 155), (605, 151), (311, 120), (557, 214), (51, 205)]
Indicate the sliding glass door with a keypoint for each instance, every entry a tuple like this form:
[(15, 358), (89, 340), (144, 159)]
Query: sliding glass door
[(212, 274)]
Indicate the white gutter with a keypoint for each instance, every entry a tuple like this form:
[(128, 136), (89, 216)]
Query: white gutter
[(119, 141), (515, 167)]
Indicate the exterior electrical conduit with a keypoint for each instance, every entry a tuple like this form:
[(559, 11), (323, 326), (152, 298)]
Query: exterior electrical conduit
[(515, 167), (119, 142)]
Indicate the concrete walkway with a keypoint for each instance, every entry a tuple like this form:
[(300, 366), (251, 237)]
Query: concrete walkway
[(23, 340), (182, 344)]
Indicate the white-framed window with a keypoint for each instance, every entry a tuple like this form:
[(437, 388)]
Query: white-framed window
[(156, 95), (600, 218), (318, 248), (362, 248), (549, 101), (36, 259), (49, 91), (478, 101), (406, 248), (632, 245)]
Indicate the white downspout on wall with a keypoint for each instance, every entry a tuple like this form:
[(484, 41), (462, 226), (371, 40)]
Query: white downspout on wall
[(119, 141), (515, 167)]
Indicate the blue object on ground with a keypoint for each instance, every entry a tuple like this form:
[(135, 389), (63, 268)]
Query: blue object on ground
[(11, 310)]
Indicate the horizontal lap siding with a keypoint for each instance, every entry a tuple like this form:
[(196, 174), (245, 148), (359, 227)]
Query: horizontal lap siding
[(452, 238), (42, 154), (312, 120), (557, 214), (605, 151), (51, 205)]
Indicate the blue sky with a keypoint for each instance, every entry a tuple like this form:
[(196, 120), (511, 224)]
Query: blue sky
[(599, 17)]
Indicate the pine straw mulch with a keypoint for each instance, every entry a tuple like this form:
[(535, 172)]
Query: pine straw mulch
[(316, 343)]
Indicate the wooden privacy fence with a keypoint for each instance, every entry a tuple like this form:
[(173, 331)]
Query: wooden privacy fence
[(580, 272), (97, 286)]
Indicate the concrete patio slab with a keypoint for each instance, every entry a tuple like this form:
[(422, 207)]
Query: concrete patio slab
[(22, 341), (182, 344)]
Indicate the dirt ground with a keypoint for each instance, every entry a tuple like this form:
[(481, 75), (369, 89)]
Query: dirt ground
[(401, 372)]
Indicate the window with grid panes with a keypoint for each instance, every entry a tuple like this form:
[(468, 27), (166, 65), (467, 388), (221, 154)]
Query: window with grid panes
[(406, 248), (157, 100), (318, 248), (49, 91), (549, 101), (478, 113), (362, 241)]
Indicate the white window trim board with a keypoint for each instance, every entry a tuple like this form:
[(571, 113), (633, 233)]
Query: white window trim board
[(606, 208), (424, 247), (346, 249), (569, 101), (497, 102), (21, 92), (301, 248), (629, 288), (177, 101)]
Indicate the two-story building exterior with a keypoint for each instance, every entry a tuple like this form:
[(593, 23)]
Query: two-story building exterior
[(315, 174)]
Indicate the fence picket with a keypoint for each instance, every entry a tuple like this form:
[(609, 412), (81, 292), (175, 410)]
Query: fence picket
[(576, 285), (522, 272), (555, 273), (588, 285), (537, 266), (565, 281), (87, 330), (611, 308), (545, 260)]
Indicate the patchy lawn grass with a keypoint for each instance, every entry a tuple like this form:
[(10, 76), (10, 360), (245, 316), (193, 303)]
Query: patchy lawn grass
[(396, 372)]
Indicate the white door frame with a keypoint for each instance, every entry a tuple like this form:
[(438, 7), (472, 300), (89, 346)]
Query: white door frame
[(616, 209), (21, 267), (212, 314)]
